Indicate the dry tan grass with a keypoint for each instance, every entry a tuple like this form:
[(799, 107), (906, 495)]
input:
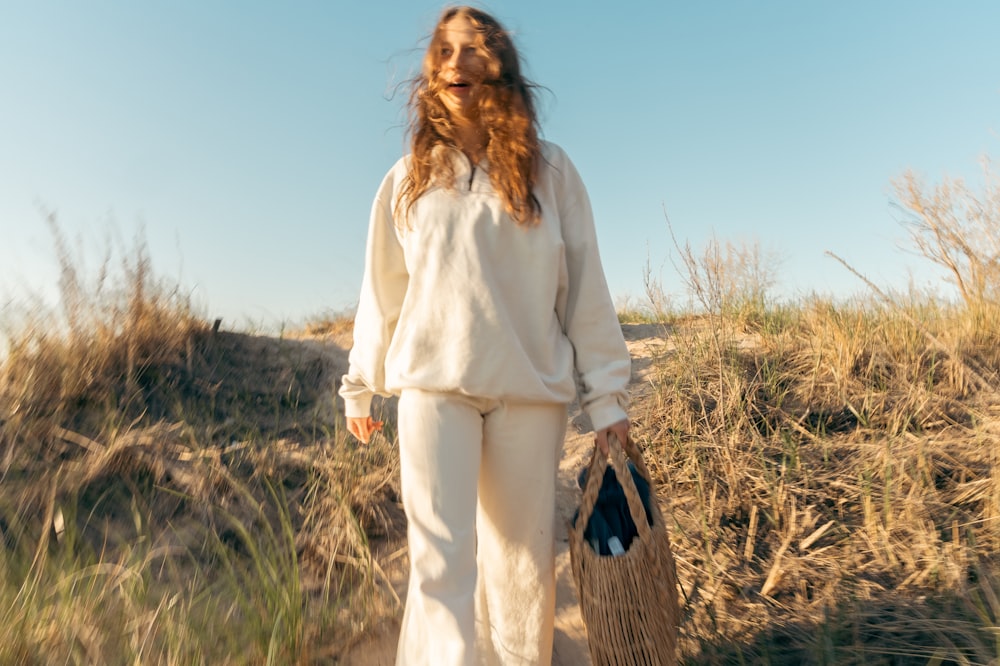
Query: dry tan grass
[(834, 488), (246, 517), (176, 494), (832, 468)]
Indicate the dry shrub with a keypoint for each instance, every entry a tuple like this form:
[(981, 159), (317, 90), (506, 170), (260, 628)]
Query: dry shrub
[(106, 352), (957, 229), (727, 279), (177, 494)]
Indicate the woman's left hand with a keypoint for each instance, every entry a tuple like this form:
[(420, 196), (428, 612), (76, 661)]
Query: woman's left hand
[(620, 429)]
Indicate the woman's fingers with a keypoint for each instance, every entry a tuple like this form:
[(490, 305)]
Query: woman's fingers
[(363, 428), (602, 442), (356, 427), (620, 429)]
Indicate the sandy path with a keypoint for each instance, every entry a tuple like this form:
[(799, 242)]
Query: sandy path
[(570, 645)]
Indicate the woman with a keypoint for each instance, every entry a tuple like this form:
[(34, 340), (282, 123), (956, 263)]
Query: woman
[(483, 293)]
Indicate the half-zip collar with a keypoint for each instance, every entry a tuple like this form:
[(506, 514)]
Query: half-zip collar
[(473, 167), (464, 168)]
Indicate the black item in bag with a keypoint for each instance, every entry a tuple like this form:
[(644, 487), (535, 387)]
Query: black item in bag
[(611, 520)]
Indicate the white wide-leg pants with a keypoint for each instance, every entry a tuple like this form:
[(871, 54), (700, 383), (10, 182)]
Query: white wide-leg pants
[(478, 485)]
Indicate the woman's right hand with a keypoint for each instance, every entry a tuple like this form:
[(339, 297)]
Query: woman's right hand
[(362, 427)]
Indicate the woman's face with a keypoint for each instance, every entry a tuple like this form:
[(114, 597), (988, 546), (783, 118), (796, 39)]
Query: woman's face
[(461, 67)]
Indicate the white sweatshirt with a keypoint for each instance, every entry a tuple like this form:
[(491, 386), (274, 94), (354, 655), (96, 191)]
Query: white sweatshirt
[(460, 298)]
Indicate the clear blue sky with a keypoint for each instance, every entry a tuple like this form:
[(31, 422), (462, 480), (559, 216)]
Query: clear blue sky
[(249, 137)]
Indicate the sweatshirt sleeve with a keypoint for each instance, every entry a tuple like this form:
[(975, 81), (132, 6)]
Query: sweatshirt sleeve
[(382, 290), (586, 311)]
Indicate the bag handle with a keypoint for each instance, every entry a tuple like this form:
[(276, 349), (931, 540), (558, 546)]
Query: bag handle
[(620, 455)]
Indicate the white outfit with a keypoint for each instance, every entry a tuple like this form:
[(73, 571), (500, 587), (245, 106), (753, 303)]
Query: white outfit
[(479, 324)]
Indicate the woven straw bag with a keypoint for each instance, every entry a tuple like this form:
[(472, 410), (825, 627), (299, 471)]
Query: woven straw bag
[(629, 602)]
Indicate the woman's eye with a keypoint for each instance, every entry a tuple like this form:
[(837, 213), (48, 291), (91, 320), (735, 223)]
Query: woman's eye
[(445, 51)]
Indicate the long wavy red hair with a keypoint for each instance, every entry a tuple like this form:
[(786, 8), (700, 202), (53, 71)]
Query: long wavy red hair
[(506, 109)]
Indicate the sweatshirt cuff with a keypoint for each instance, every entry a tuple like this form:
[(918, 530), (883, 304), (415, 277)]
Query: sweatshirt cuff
[(605, 411), (358, 407)]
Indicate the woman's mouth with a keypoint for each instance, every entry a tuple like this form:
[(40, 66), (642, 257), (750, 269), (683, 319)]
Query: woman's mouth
[(460, 88)]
